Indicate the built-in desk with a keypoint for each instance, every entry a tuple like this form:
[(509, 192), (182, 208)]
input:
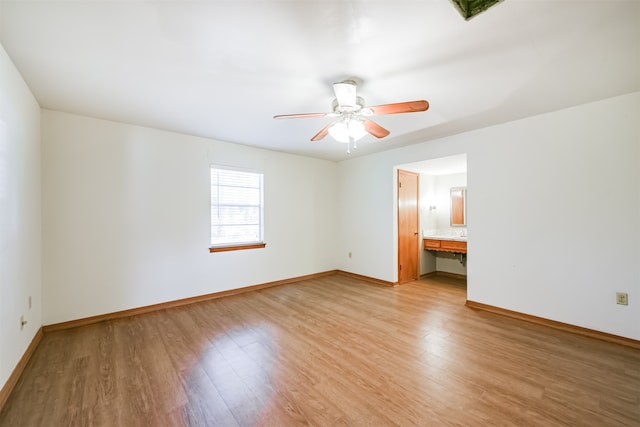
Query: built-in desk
[(445, 245)]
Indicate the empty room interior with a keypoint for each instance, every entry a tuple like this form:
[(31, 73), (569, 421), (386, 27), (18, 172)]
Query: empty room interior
[(343, 212)]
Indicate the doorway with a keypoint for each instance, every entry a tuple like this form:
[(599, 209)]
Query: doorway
[(436, 178)]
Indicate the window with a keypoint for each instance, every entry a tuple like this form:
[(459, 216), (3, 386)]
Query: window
[(236, 210)]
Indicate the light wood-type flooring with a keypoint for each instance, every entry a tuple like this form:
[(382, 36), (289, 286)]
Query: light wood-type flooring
[(331, 351)]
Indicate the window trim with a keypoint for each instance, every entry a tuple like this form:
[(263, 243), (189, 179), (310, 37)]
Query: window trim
[(226, 247)]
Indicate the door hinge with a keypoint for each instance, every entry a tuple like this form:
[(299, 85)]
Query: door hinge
[(399, 184)]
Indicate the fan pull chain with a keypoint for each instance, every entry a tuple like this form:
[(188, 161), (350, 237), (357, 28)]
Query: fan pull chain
[(351, 141)]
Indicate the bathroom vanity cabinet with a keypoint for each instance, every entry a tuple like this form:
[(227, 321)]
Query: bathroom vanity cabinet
[(445, 245)]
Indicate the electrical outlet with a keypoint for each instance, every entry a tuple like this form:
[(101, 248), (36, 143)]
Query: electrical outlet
[(622, 298), (29, 302), (349, 254)]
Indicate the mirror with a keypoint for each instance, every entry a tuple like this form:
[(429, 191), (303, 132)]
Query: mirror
[(459, 206)]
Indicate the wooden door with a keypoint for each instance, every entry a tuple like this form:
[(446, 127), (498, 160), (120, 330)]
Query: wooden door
[(408, 235)]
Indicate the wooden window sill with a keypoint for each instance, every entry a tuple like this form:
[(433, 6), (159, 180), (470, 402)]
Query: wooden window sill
[(237, 247)]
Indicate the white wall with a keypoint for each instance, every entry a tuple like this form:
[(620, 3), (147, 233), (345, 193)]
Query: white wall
[(20, 241), (553, 207), (367, 218), (127, 218), (428, 198)]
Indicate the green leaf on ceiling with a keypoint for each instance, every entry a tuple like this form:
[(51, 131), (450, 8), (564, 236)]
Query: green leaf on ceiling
[(470, 8)]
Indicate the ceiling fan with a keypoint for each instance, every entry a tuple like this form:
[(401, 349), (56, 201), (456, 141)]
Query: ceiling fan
[(352, 117)]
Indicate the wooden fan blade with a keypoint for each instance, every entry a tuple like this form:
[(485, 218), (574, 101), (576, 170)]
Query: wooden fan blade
[(375, 129), (299, 116), (401, 107), (323, 132)]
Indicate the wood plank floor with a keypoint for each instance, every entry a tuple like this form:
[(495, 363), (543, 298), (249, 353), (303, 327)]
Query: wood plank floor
[(328, 351)]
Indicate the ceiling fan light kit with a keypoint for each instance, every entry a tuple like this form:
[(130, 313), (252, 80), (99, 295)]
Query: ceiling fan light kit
[(352, 121), (347, 130)]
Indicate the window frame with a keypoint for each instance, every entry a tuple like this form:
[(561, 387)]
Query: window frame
[(224, 247)]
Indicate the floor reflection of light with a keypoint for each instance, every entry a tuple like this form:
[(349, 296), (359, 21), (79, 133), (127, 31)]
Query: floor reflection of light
[(436, 343), (436, 335), (438, 352), (241, 365)]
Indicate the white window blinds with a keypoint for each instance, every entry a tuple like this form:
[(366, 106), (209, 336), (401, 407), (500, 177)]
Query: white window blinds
[(236, 207)]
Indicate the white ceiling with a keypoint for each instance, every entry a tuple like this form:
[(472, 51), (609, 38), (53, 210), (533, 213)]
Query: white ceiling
[(222, 69)]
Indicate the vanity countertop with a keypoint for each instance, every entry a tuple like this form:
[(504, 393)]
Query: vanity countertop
[(452, 238)]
